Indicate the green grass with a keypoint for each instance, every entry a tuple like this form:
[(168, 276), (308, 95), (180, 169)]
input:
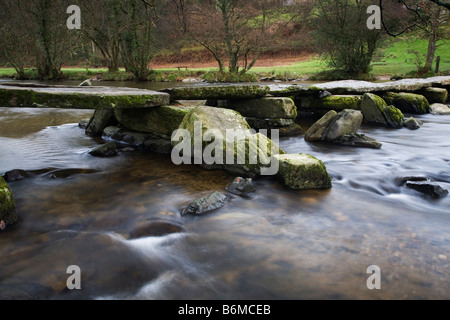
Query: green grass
[(395, 58)]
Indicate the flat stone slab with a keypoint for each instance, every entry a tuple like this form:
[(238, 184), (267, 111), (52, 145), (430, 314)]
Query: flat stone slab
[(68, 97), (222, 92), (359, 87)]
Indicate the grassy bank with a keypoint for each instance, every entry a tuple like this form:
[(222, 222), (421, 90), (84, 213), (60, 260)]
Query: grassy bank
[(400, 57)]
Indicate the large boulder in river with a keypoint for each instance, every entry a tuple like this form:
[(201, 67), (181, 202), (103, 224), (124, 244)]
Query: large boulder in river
[(163, 120), (7, 205), (224, 136), (346, 122), (266, 108), (303, 172), (323, 105), (408, 102), (101, 119), (341, 128), (439, 109), (377, 112), (435, 95)]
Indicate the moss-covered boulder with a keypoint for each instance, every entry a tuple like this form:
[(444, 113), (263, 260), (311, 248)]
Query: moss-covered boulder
[(377, 112), (413, 124), (8, 214), (340, 102), (303, 172), (101, 119), (317, 130), (266, 108), (163, 120), (228, 92), (46, 96), (435, 95), (241, 151), (408, 102)]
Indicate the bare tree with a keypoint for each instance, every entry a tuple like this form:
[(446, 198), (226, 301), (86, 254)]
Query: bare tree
[(428, 16), (233, 31)]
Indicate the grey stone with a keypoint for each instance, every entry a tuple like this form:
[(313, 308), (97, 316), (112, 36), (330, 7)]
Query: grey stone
[(205, 205), (15, 175), (439, 109), (413, 124), (428, 188), (358, 140), (377, 112), (265, 108), (435, 95), (106, 150), (408, 102), (317, 130), (241, 186), (101, 119), (345, 123)]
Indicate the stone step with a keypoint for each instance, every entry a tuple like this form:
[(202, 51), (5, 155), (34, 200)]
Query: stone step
[(68, 97)]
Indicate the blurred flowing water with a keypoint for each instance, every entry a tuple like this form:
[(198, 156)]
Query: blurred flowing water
[(119, 220)]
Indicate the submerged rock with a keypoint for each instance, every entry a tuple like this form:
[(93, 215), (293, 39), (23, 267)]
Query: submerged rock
[(428, 188), (25, 291), (439, 109), (435, 95), (402, 180), (408, 102), (359, 140), (377, 112), (16, 175), (106, 150), (154, 229), (413, 124), (143, 141), (8, 214), (83, 124), (101, 119), (205, 205), (162, 120), (241, 186), (303, 172)]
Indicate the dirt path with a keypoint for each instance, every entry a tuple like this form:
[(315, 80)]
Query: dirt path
[(262, 62)]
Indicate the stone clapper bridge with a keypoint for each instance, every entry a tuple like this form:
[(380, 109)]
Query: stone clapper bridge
[(146, 119)]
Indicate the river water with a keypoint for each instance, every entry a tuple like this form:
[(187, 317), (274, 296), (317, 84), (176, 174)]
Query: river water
[(119, 220)]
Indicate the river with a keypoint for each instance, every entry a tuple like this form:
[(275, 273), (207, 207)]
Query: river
[(119, 220)]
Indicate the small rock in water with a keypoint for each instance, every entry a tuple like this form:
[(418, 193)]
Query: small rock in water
[(428, 188), (155, 229), (413, 124), (439, 109), (359, 140), (241, 186), (106, 150), (86, 83), (15, 175), (324, 94), (205, 205), (83, 124), (402, 180)]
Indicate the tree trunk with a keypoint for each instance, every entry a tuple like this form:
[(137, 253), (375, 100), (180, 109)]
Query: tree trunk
[(432, 40)]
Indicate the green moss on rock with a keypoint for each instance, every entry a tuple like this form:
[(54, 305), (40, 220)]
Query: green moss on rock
[(340, 102), (376, 111), (266, 108), (229, 92), (408, 102), (163, 120), (7, 204), (303, 172), (435, 95)]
